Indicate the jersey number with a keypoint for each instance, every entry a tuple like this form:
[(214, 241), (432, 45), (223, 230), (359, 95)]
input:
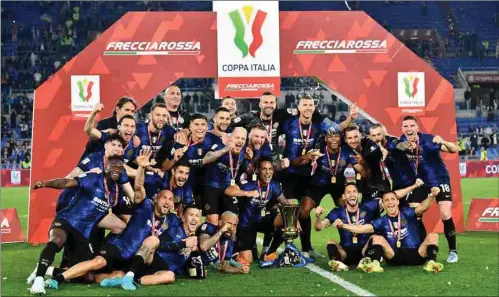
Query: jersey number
[(445, 187)]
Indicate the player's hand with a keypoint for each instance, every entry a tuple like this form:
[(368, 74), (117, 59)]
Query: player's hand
[(435, 191), (98, 108), (413, 145), (143, 158), (353, 111), (249, 153), (191, 241), (179, 153), (318, 211), (110, 131), (358, 157), (136, 141), (180, 137), (402, 146), (437, 139), (38, 184), (419, 182), (158, 171), (338, 224), (285, 163), (245, 269), (253, 194), (384, 153), (226, 228)]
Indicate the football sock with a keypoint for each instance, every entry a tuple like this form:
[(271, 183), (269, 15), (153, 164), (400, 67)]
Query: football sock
[(431, 252), (450, 234), (306, 225), (277, 240), (333, 252), (46, 258), (136, 266), (59, 278)]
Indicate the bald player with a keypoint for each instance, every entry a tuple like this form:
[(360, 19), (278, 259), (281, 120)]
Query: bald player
[(177, 119)]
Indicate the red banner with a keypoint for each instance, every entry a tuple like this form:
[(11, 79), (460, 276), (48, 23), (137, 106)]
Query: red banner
[(479, 168), (11, 226), (483, 215), (15, 177), (248, 87)]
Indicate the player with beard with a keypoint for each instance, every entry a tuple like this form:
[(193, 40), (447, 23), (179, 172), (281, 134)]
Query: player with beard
[(217, 243), (256, 147), (352, 247), (223, 167), (399, 242), (254, 217), (179, 243), (124, 106), (371, 156), (220, 125), (193, 151), (176, 118), (133, 245), (424, 152), (126, 129), (77, 220), (231, 105), (175, 181)]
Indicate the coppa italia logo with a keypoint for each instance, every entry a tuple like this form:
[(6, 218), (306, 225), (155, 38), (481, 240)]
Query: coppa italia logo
[(411, 85), (256, 29), (85, 89), (490, 215)]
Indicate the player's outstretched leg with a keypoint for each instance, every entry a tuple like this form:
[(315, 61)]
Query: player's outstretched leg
[(429, 250), (336, 256), (376, 248), (449, 229)]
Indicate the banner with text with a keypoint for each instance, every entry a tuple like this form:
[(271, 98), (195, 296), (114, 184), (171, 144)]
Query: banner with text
[(248, 48), (479, 168), (483, 215), (15, 177)]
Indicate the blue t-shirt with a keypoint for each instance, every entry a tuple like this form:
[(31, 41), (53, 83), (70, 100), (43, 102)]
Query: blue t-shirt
[(224, 247), (138, 229), (131, 152), (327, 166), (252, 164), (409, 235), (431, 168), (367, 211), (96, 160), (154, 183), (401, 170), (252, 213), (154, 141), (89, 205), (218, 174), (176, 260)]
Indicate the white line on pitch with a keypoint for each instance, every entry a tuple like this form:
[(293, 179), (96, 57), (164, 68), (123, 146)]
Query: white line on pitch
[(332, 277)]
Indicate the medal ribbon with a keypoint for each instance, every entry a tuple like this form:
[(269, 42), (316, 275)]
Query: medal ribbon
[(150, 138), (337, 161), (260, 191), (233, 173), (308, 133), (269, 138), (170, 119), (220, 257), (393, 230)]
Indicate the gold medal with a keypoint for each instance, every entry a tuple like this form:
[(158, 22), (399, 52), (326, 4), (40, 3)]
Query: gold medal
[(220, 266), (303, 152), (358, 176), (354, 239), (399, 244), (333, 179), (110, 211), (253, 177), (263, 212), (332, 163), (232, 182)]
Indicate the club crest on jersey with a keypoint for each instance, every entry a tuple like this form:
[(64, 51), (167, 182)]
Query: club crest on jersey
[(177, 199), (403, 221), (276, 125), (180, 119), (200, 151), (363, 214), (342, 162), (130, 153), (164, 226)]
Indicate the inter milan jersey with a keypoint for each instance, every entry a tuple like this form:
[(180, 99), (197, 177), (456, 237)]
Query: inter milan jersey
[(367, 212), (300, 142), (154, 183), (211, 126), (97, 160), (154, 141), (178, 120), (138, 229), (428, 162), (194, 155), (409, 235), (176, 258), (219, 175), (400, 168), (221, 251), (131, 152), (253, 211), (64, 198), (332, 164), (249, 172), (89, 204)]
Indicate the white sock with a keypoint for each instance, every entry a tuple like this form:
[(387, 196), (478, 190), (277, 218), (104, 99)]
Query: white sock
[(130, 274), (50, 271)]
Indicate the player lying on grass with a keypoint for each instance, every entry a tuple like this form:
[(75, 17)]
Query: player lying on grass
[(352, 246), (399, 243)]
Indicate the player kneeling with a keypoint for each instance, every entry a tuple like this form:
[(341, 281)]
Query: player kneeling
[(399, 243)]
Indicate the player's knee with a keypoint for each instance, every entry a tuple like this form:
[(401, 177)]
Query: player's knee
[(167, 277), (119, 227), (99, 262), (151, 242), (432, 238), (59, 241), (332, 242), (376, 239)]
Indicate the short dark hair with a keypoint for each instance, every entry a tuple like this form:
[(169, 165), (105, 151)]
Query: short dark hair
[(351, 184), (190, 205), (409, 117), (126, 117), (198, 116), (220, 109), (123, 100), (375, 125), (267, 94), (352, 127), (383, 193), (227, 97), (160, 105), (182, 162), (115, 158), (116, 137), (264, 159), (306, 97)]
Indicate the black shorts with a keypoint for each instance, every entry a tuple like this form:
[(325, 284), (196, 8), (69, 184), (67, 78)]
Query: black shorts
[(416, 196), (198, 195), (246, 236), (113, 258), (406, 257), (318, 192), (354, 255), (79, 248), (294, 186), (157, 265), (216, 202), (445, 192)]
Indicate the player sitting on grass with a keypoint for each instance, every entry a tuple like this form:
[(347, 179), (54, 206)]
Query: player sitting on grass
[(399, 243)]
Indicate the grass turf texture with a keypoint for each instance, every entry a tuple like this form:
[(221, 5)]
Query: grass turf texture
[(476, 273)]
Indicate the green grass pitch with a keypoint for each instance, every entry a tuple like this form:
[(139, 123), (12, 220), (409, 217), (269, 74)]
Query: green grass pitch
[(476, 273)]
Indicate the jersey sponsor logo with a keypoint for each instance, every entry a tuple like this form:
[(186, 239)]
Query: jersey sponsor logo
[(203, 228), (214, 146), (153, 48), (85, 161), (237, 120)]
